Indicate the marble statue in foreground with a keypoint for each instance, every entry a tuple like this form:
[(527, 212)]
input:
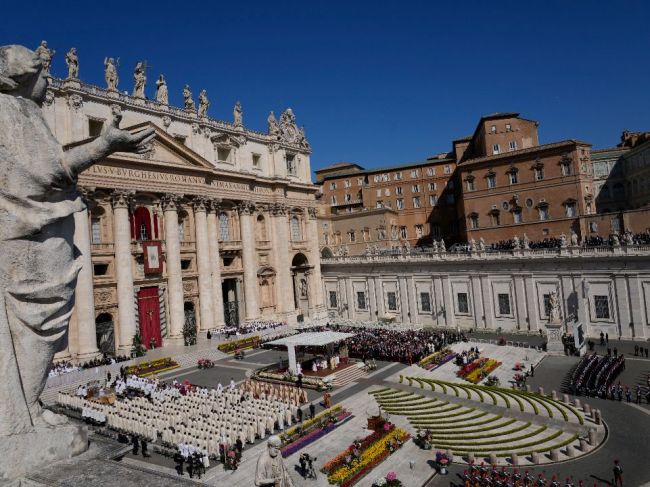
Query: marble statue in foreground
[(271, 471), (38, 262)]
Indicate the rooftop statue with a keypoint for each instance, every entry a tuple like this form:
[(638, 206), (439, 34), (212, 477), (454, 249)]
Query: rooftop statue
[(238, 115), (45, 54), (204, 104), (38, 262), (72, 61), (274, 130), (110, 73), (162, 93), (139, 79), (187, 99)]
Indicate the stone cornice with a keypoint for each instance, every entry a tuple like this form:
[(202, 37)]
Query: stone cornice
[(75, 94)]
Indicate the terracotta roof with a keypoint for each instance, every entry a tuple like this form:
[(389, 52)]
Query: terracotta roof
[(529, 150)]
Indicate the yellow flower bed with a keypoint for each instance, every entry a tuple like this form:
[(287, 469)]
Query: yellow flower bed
[(309, 422), (368, 456), (475, 375)]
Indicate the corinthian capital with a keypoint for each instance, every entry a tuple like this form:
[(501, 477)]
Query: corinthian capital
[(122, 198), (215, 204), (200, 203), (170, 201), (278, 209), (246, 208), (312, 212)]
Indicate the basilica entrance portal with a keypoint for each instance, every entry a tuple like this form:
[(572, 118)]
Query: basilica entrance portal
[(230, 302), (149, 313)]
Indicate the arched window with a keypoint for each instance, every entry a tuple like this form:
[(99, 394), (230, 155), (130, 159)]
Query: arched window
[(142, 224), (295, 229), (261, 228), (224, 227)]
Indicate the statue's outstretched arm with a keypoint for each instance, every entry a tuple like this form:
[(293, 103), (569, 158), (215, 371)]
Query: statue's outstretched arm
[(113, 139)]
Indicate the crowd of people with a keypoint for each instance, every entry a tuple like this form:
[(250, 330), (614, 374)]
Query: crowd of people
[(246, 328), (595, 374), (65, 367), (405, 346), (467, 356), (196, 423)]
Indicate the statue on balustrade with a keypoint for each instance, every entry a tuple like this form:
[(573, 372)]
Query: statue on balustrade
[(45, 54), (72, 61), (139, 79), (39, 262), (204, 104), (110, 73), (162, 93), (187, 99)]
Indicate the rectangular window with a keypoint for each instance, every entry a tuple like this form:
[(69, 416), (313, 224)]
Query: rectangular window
[(415, 173), (496, 149), (333, 299), (347, 183), (508, 127), (416, 202), (398, 190), (601, 304), (513, 177), (571, 210), (361, 300), (543, 213), (566, 169), (492, 181), (392, 301), (352, 237), (376, 178), (95, 127), (431, 171), (425, 302), (419, 231), (348, 198), (539, 173), (516, 216), (223, 154), (359, 181), (432, 186), (463, 304), (398, 176), (493, 129), (547, 305), (256, 160), (96, 230), (447, 169), (333, 199), (291, 165), (470, 185), (504, 304), (473, 222), (333, 185), (415, 188), (380, 204), (402, 232), (512, 145), (433, 199), (399, 203), (387, 192), (385, 177)]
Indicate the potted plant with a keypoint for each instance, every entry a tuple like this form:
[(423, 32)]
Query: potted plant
[(442, 460)]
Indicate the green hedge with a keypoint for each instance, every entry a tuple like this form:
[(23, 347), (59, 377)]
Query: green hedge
[(505, 448), (493, 428), (497, 441), (450, 421)]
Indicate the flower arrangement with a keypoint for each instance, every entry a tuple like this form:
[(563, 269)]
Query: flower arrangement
[(303, 436), (518, 366), (424, 439), (157, 366), (390, 480), (435, 360), (492, 381), (241, 344), (347, 468), (478, 370), (205, 363), (232, 461)]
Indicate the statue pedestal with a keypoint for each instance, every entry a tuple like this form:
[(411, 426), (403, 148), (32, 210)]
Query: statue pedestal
[(554, 345), (23, 454)]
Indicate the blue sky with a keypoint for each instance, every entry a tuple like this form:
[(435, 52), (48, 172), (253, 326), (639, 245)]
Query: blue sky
[(377, 82)]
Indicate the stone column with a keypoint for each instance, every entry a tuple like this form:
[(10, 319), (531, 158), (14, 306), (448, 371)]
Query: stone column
[(249, 259), (206, 305), (121, 200), (84, 295), (170, 204), (215, 264), (281, 244), (316, 278)]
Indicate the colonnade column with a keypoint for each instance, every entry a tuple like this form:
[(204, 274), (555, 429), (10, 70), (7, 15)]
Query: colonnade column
[(206, 306), (121, 201), (215, 263), (317, 287), (286, 303), (170, 204), (249, 260), (84, 295)]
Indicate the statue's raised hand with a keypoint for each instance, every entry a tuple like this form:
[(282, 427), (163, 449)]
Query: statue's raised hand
[(119, 140)]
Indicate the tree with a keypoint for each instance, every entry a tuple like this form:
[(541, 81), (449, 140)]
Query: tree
[(137, 350)]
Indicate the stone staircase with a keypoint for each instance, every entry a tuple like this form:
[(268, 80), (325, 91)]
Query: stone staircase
[(348, 375)]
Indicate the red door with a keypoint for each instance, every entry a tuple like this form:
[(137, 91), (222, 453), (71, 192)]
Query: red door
[(149, 311)]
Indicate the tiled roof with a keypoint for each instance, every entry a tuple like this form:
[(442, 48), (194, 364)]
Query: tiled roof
[(529, 150)]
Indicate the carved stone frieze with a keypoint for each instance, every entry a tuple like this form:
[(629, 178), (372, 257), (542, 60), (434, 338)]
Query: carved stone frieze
[(75, 101)]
